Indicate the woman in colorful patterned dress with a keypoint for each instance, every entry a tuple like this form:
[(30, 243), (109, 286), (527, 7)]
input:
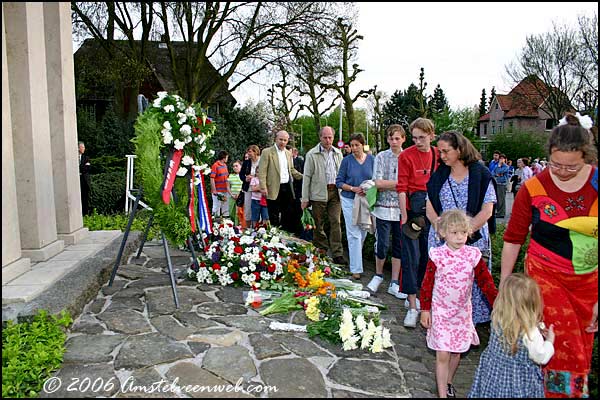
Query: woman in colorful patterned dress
[(461, 182), (561, 205), (446, 309)]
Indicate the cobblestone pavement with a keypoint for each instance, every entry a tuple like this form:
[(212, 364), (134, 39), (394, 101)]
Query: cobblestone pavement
[(131, 337)]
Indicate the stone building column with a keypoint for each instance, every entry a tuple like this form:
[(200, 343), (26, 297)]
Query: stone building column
[(26, 61), (63, 121), (13, 264)]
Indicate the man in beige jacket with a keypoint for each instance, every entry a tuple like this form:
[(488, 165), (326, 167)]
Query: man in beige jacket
[(321, 166), (275, 172)]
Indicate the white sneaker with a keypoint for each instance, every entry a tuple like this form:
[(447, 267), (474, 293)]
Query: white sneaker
[(407, 304), (394, 290), (410, 320), (374, 284)]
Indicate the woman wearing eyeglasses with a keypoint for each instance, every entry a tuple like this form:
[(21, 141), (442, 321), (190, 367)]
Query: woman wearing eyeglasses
[(561, 205)]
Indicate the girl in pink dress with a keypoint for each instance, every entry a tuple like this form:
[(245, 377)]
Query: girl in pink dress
[(446, 296)]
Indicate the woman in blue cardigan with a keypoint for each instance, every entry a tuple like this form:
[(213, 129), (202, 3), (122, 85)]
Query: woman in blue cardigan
[(353, 171)]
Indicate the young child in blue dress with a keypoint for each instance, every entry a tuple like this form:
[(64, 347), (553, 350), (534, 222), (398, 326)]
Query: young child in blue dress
[(510, 366)]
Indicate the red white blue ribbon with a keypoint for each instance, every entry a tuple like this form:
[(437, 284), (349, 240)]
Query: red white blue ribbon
[(204, 217)]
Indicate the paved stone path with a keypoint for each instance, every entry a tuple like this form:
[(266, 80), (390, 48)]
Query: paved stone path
[(132, 337)]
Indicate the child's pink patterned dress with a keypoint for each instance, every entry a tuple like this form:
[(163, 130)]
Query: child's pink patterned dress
[(452, 326)]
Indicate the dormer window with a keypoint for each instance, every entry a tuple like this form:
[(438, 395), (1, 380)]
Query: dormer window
[(496, 106)]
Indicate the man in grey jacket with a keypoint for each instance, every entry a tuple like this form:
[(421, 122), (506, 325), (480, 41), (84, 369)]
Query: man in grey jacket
[(321, 166)]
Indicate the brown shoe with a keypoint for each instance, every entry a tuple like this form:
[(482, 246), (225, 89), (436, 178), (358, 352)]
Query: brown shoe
[(356, 276), (339, 260)]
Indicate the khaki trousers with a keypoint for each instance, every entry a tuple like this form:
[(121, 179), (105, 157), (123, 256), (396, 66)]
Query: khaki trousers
[(332, 210)]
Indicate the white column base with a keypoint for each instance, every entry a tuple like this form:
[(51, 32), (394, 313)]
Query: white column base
[(74, 237), (45, 252)]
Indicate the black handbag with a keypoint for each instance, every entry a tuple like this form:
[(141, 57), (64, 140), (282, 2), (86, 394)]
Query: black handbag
[(240, 199)]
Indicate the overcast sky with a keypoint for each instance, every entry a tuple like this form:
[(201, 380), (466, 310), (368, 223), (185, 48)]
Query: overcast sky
[(464, 47)]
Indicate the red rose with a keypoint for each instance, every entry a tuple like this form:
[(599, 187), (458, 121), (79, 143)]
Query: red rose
[(238, 250), (271, 268), (257, 275), (216, 267), (235, 276), (203, 264)]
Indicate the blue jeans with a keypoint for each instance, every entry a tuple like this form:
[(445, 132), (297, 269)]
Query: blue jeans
[(382, 236), (415, 259), (259, 212)]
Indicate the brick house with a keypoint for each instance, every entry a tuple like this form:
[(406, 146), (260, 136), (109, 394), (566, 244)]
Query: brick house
[(522, 109)]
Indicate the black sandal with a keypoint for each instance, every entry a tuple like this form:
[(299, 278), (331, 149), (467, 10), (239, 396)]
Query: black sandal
[(451, 391)]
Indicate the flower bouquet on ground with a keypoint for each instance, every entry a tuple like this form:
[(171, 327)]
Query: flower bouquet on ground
[(287, 302), (351, 324), (240, 257)]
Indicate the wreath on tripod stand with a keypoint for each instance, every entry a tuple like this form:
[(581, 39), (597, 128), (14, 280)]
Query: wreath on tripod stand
[(174, 133)]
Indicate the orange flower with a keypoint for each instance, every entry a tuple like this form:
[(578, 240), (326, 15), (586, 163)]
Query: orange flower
[(293, 266), (300, 280)]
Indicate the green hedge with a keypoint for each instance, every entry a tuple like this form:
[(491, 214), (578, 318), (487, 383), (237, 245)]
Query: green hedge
[(31, 351), (98, 222), (107, 195), (104, 164)]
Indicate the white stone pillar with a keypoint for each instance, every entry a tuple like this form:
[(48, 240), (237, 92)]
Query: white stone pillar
[(13, 264), (26, 59), (63, 121)]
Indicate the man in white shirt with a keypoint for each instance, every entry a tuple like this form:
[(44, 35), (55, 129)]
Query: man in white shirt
[(275, 172)]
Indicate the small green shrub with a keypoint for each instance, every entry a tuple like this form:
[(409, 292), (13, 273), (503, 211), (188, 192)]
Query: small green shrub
[(99, 222), (31, 351), (107, 194)]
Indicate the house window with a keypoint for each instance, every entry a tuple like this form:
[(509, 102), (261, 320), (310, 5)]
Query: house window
[(510, 126), (484, 129), (550, 123), (500, 126), (496, 106), (493, 127)]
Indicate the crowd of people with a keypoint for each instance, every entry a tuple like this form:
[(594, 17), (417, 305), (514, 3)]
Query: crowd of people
[(438, 205)]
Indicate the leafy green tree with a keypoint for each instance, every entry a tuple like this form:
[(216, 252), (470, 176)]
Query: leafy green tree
[(442, 120), (438, 102), (465, 120), (401, 107), (520, 144), (237, 128), (482, 104), (109, 137)]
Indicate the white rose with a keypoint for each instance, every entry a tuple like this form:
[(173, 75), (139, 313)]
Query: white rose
[(169, 108), (181, 118), (187, 160), (182, 171), (167, 125), (186, 129), (179, 144)]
